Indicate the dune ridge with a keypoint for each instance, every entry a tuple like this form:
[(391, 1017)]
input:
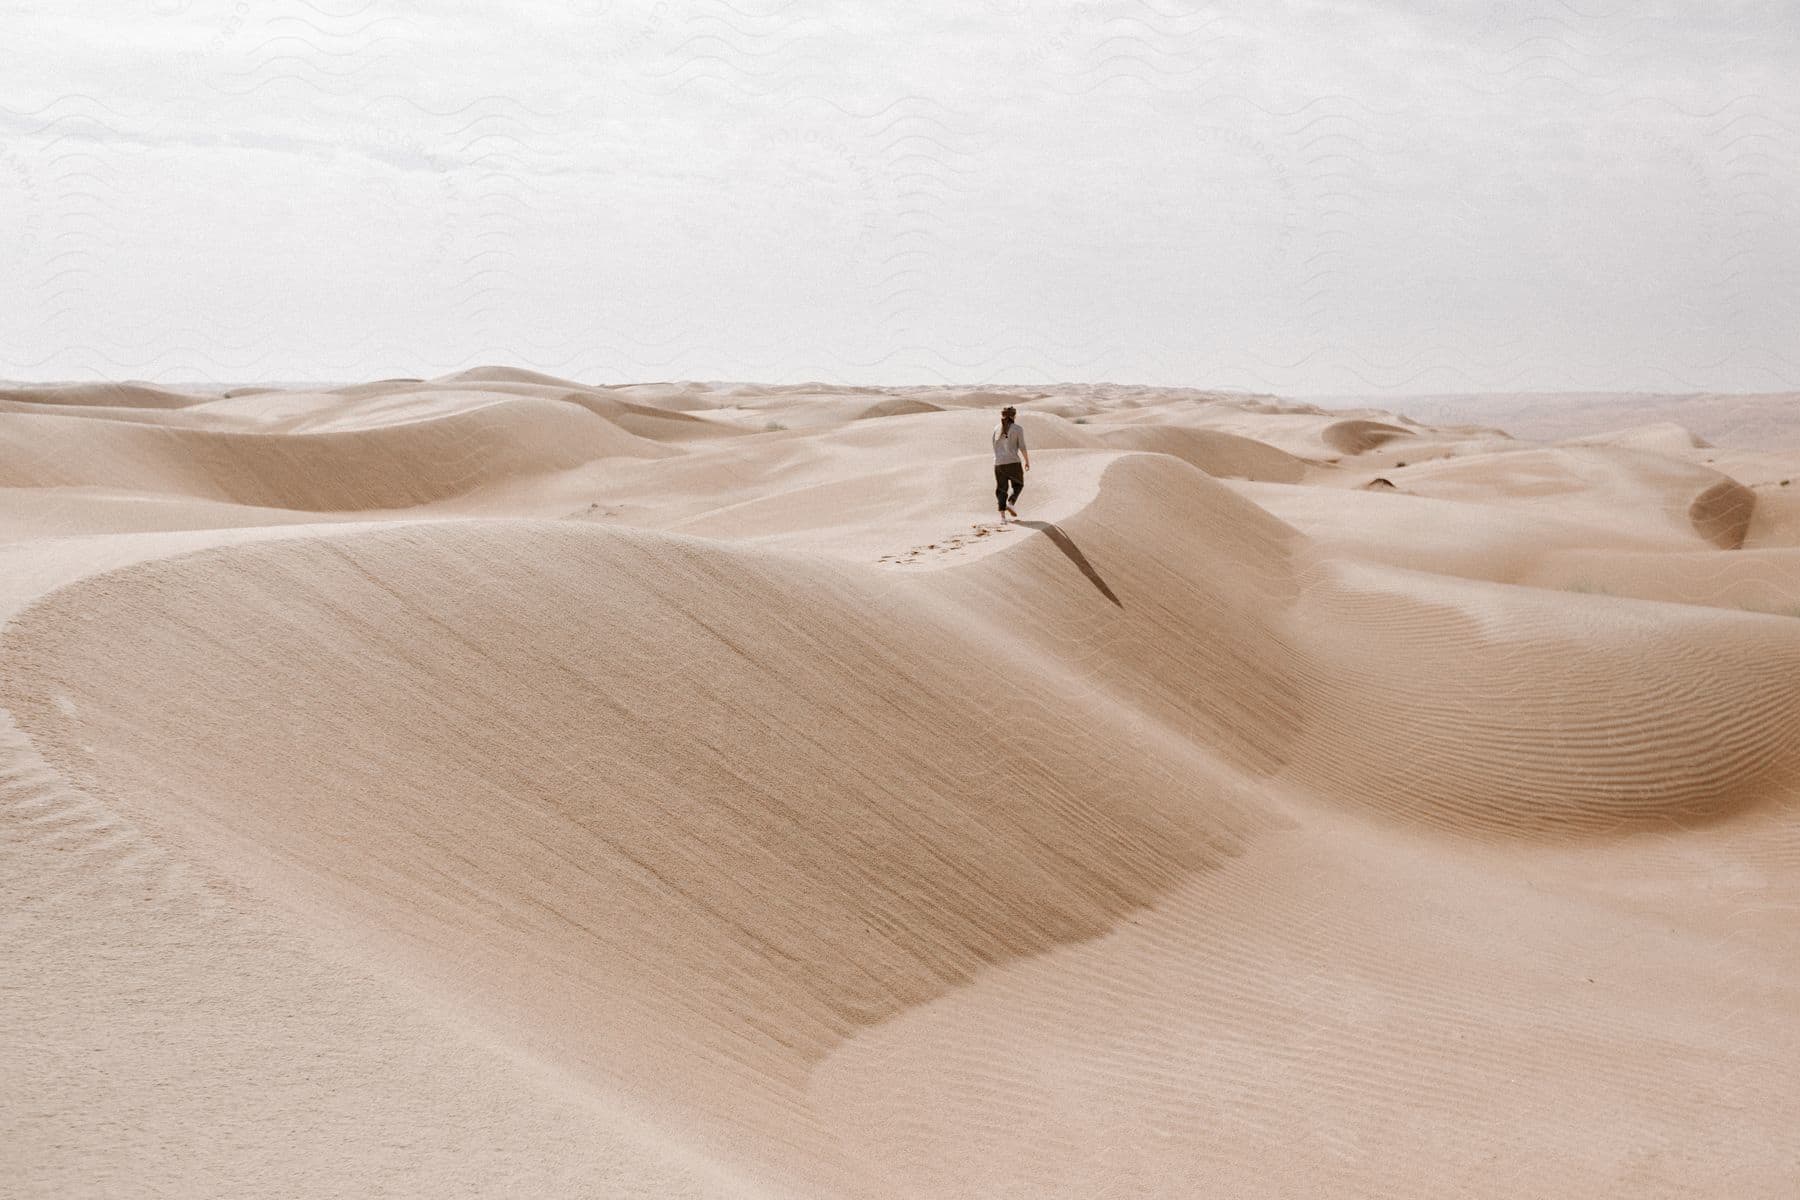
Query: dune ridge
[(381, 466)]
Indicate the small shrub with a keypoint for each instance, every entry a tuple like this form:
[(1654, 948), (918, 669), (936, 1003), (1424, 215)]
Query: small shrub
[(774, 427)]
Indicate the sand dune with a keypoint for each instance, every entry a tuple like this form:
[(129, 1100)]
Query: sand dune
[(1222, 454), (96, 395), (358, 464), (1728, 419), (499, 785), (1359, 437)]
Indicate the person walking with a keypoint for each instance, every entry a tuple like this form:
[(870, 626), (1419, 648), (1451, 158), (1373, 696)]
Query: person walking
[(1011, 461)]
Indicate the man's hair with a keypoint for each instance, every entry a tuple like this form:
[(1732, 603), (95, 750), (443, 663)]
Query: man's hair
[(1009, 411)]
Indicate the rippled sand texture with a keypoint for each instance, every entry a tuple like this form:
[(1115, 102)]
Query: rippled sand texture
[(497, 786)]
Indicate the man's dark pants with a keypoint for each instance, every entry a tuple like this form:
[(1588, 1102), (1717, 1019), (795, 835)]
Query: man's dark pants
[(1004, 474)]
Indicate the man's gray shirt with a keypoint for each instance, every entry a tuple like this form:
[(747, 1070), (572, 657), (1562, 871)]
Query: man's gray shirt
[(1007, 445)]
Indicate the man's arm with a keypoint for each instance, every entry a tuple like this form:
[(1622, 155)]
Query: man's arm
[(1024, 454)]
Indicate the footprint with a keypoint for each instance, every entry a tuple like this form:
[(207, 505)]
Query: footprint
[(954, 542)]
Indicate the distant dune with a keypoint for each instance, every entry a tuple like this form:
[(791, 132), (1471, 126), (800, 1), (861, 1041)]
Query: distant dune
[(1751, 421), (500, 785)]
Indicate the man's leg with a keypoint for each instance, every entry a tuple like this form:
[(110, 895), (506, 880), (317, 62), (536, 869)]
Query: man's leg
[(1018, 482), (1000, 486)]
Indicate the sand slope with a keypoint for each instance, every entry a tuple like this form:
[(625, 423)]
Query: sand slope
[(502, 786)]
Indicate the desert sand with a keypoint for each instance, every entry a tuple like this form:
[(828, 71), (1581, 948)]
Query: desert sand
[(500, 786)]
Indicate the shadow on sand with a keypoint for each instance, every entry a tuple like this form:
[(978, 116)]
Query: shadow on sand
[(1068, 547)]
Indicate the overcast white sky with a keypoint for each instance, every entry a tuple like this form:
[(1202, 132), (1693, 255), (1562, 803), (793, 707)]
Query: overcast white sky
[(1299, 196)]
